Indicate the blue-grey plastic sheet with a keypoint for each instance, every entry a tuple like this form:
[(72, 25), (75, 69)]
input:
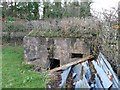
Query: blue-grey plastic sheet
[(64, 76), (86, 70), (82, 83), (76, 72)]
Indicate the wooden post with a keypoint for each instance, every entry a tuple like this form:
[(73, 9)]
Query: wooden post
[(72, 63)]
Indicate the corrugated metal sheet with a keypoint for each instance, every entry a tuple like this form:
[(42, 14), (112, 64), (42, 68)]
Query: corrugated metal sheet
[(102, 77), (105, 80), (98, 82), (108, 69)]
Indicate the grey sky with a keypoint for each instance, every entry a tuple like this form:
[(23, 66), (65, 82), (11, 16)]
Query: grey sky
[(104, 4)]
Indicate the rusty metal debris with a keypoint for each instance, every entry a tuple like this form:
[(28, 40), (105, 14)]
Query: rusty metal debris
[(88, 74)]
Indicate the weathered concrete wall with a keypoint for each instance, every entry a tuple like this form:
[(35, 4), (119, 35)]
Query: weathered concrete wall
[(35, 50), (64, 48), (39, 50)]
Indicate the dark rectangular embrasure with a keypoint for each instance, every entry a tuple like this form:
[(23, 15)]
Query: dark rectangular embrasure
[(54, 63), (76, 55)]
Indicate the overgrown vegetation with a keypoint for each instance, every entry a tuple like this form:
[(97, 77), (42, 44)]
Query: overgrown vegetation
[(56, 9), (67, 27), (16, 74)]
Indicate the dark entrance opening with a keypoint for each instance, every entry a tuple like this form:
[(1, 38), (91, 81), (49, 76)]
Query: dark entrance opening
[(76, 55), (54, 63)]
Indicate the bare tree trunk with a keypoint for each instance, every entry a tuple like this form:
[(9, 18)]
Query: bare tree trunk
[(118, 71), (4, 9)]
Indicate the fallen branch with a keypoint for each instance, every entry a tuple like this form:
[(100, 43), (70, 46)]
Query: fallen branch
[(71, 63)]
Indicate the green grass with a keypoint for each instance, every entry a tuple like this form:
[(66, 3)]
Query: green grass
[(15, 73)]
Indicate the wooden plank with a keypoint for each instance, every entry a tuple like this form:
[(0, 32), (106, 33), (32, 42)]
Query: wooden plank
[(72, 63)]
